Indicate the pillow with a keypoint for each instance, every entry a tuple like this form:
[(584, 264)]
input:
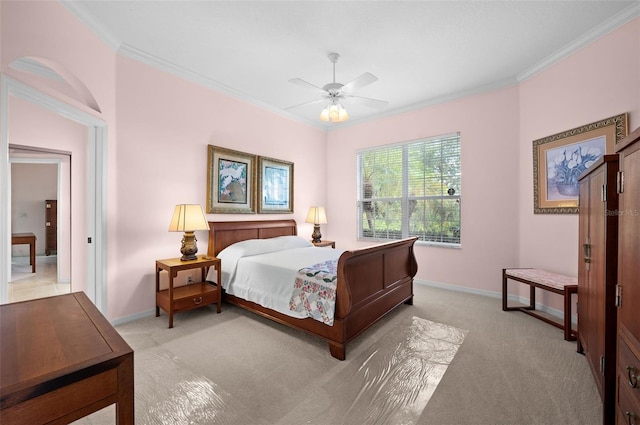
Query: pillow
[(231, 254), (264, 246), (288, 242)]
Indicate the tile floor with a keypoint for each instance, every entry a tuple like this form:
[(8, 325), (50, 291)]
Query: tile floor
[(44, 283)]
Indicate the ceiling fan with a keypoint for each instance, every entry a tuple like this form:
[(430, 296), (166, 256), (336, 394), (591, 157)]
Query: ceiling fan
[(336, 93)]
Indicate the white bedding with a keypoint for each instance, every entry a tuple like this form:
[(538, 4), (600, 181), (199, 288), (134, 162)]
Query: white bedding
[(264, 270)]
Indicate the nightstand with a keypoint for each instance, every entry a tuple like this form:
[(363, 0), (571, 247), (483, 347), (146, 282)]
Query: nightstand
[(190, 296), (332, 244)]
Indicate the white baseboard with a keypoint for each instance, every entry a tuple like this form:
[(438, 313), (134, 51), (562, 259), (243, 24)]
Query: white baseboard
[(559, 314), (521, 300), (133, 317)]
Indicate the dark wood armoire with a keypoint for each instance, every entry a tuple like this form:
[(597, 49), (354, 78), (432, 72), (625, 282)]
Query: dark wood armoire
[(597, 273), (628, 289), (50, 227)]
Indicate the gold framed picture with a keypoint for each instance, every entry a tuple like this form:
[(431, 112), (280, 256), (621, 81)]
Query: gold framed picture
[(275, 183), (560, 159), (231, 181)]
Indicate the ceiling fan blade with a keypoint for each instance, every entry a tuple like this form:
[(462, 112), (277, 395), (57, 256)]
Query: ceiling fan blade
[(307, 85), (361, 81), (366, 101), (311, 102)]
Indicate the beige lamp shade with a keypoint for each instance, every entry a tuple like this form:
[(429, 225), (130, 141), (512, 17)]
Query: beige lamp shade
[(188, 217), (316, 215)]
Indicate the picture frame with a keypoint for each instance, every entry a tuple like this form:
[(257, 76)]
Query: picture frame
[(275, 186), (231, 181), (560, 159)]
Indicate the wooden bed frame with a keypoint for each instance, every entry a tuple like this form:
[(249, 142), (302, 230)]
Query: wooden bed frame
[(371, 282)]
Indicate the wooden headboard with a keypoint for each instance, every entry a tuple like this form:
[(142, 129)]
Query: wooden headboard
[(224, 233)]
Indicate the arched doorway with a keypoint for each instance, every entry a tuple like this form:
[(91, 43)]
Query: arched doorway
[(95, 180)]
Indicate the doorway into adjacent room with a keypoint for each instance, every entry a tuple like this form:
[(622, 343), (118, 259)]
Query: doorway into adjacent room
[(89, 236), (40, 206)]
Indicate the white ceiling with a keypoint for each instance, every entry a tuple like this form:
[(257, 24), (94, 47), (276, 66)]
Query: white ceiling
[(422, 52)]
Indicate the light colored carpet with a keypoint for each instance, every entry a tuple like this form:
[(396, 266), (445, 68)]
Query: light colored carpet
[(238, 368), (389, 383)]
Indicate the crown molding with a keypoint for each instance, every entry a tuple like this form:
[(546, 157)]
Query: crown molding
[(95, 26), (498, 85), (179, 71), (611, 24)]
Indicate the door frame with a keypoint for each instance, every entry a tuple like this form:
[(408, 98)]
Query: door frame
[(96, 186)]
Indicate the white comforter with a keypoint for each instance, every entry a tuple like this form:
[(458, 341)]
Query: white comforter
[(264, 270)]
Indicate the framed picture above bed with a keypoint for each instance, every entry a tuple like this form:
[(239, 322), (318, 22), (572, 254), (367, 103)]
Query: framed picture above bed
[(231, 181), (560, 159), (275, 186)]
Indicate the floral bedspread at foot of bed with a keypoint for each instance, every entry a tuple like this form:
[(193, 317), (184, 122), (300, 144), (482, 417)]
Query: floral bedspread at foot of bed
[(314, 291)]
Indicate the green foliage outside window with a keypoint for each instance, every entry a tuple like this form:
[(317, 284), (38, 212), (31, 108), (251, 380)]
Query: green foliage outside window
[(411, 189)]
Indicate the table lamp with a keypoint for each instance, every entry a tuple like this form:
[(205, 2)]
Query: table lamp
[(316, 216), (188, 218)]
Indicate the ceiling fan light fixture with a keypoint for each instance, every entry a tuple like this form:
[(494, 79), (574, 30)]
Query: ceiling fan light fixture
[(336, 92), (343, 115), (334, 113), (324, 115)]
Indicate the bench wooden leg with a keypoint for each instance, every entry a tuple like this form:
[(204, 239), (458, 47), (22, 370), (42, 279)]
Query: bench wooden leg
[(504, 290), (568, 291), (532, 297), (505, 294)]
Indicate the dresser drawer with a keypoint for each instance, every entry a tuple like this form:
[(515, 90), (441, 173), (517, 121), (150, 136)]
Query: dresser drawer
[(628, 404), (628, 385), (628, 368)]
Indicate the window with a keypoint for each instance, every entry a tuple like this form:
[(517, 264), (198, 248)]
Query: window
[(411, 189)]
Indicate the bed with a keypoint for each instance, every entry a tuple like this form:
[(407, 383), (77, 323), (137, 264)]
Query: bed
[(370, 283)]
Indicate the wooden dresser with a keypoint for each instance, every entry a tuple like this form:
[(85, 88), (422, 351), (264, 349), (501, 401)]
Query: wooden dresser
[(51, 226), (628, 297), (597, 273), (60, 360)]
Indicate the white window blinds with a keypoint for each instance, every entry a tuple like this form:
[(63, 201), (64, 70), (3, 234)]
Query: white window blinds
[(411, 189)]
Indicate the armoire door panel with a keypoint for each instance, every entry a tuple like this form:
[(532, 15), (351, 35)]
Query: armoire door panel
[(596, 284), (628, 330)]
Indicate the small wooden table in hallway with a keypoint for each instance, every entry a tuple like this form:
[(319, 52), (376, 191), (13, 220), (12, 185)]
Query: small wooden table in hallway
[(26, 239)]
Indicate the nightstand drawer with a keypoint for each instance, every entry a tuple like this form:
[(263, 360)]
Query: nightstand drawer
[(193, 296)]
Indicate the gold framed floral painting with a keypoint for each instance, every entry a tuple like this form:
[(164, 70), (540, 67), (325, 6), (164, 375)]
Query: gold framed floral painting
[(231, 181), (560, 159)]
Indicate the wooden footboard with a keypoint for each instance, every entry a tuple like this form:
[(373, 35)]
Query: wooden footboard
[(371, 282)]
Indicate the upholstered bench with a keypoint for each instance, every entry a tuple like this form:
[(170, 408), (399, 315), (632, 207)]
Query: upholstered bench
[(552, 282)]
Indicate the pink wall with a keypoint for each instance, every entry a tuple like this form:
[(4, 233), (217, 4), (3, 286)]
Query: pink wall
[(489, 136), (157, 152), (164, 127), (48, 30), (597, 82), (499, 228)]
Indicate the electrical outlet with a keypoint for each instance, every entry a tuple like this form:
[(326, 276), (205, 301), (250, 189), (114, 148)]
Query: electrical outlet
[(189, 279)]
